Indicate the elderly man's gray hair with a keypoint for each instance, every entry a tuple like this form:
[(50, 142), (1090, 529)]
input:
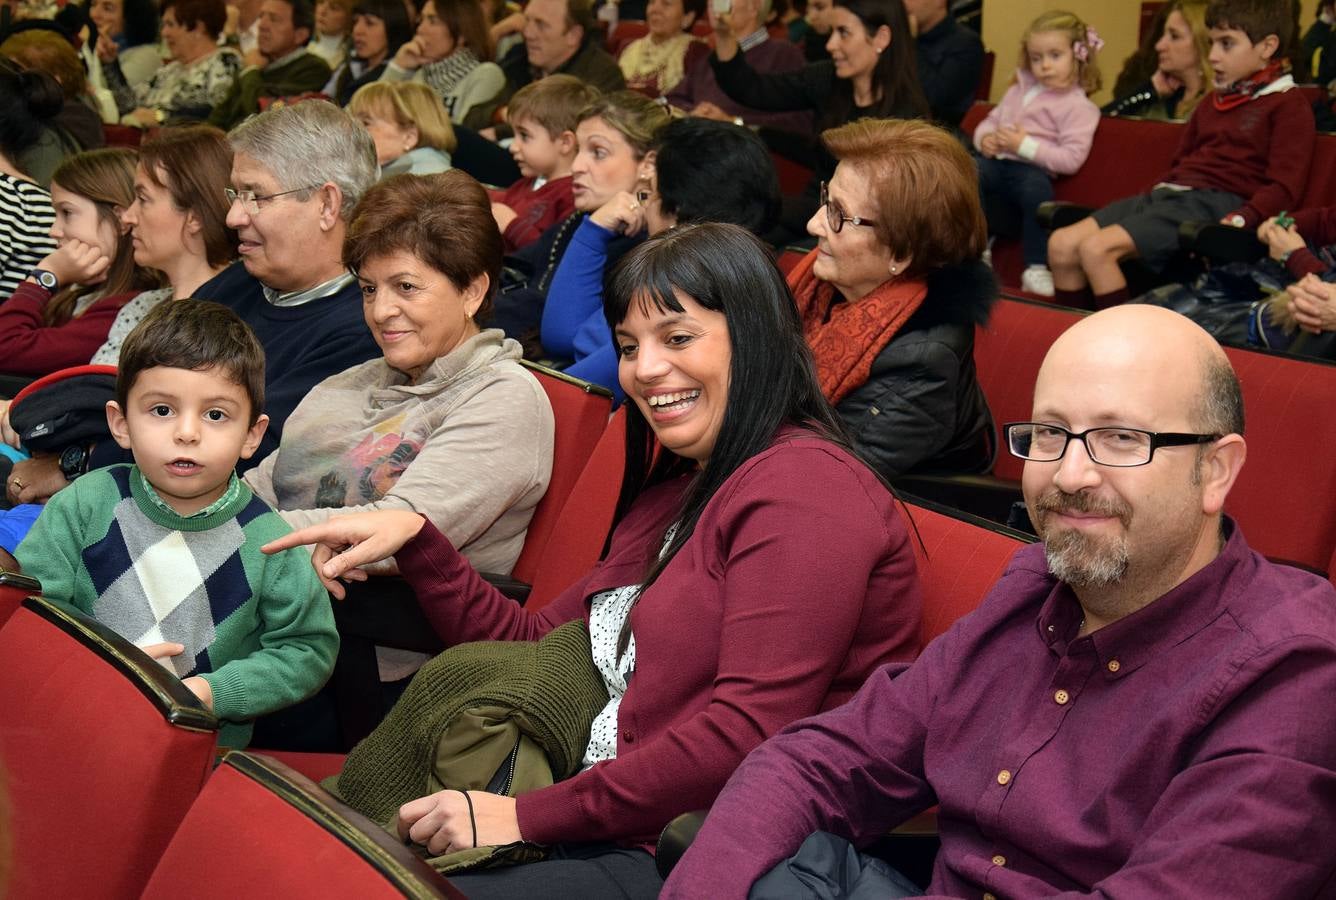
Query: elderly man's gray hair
[(308, 144)]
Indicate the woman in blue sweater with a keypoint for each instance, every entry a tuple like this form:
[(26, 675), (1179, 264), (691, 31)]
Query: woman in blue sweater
[(742, 189)]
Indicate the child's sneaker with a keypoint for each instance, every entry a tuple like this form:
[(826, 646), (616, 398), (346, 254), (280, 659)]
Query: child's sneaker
[(1037, 280)]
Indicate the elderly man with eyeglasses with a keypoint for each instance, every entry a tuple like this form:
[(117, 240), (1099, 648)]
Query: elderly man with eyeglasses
[(1140, 707), (297, 173)]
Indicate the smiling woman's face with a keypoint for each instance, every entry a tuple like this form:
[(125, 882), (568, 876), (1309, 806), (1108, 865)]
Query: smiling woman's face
[(414, 311), (675, 367)]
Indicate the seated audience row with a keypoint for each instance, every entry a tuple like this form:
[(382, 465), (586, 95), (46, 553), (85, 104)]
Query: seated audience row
[(427, 401), (1227, 169), (699, 614), (198, 76), (756, 425), (1143, 614)]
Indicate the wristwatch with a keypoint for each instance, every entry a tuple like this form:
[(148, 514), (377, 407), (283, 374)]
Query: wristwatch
[(74, 461), (46, 279)]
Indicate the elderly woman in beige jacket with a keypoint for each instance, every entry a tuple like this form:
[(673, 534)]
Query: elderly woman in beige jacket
[(447, 422)]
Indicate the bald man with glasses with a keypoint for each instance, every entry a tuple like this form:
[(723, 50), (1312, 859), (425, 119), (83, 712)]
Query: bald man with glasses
[(1140, 708)]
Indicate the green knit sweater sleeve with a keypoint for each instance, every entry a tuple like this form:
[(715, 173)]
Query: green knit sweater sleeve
[(297, 637), (52, 550)]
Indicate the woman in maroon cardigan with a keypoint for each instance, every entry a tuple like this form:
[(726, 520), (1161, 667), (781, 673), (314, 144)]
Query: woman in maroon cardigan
[(758, 572)]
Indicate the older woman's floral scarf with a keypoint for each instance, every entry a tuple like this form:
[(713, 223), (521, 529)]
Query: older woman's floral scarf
[(846, 337)]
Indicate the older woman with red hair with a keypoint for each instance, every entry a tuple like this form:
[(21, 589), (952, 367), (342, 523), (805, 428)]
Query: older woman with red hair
[(891, 294)]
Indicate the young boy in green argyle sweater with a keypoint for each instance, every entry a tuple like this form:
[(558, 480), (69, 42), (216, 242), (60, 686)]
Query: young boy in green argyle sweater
[(167, 551)]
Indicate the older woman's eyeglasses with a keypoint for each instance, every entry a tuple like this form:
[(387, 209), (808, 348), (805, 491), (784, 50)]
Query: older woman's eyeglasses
[(251, 203), (835, 217), (1123, 447)]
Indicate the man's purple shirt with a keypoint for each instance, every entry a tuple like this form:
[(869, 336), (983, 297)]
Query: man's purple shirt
[(1186, 750)]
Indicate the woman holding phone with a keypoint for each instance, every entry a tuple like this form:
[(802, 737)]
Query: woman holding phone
[(871, 74), (741, 504)]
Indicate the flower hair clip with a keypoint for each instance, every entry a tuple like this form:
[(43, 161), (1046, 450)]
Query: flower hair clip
[(1092, 43)]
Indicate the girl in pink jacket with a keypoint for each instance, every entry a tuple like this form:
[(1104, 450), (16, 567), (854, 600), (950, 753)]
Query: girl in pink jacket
[(1042, 128)]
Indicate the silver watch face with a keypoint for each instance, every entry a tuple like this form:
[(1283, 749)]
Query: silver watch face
[(46, 280)]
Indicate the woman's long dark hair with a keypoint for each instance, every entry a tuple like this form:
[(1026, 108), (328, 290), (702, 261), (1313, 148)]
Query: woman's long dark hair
[(896, 74), (772, 379)]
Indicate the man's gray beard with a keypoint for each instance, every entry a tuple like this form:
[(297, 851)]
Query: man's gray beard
[(1084, 563)]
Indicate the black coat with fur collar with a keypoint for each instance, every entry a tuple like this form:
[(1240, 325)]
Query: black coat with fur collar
[(921, 409)]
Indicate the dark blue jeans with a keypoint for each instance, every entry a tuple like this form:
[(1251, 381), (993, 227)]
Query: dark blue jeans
[(1011, 192)]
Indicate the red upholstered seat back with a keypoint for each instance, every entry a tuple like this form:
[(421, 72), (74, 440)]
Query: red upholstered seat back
[(586, 518), (958, 563), (580, 411), (793, 177), (973, 116), (627, 30), (1007, 355), (98, 775), (1128, 157), (1285, 497), (259, 829)]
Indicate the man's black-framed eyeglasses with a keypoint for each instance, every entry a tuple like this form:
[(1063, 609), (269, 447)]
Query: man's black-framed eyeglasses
[(1108, 446), (835, 217)]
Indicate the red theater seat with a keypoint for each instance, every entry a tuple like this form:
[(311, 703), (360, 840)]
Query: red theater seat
[(959, 560), (1285, 497), (259, 829), (1007, 355), (627, 30), (580, 410), (103, 752), (586, 518)]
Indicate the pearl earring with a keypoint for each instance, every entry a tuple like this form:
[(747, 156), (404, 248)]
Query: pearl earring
[(895, 270)]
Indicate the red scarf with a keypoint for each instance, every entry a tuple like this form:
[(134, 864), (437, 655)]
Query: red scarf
[(846, 337), (1245, 89)]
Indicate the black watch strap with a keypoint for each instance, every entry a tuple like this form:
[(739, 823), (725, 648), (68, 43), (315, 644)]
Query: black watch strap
[(46, 279)]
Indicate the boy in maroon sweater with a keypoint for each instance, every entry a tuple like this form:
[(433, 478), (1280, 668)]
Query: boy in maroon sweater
[(544, 115), (1244, 157)]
